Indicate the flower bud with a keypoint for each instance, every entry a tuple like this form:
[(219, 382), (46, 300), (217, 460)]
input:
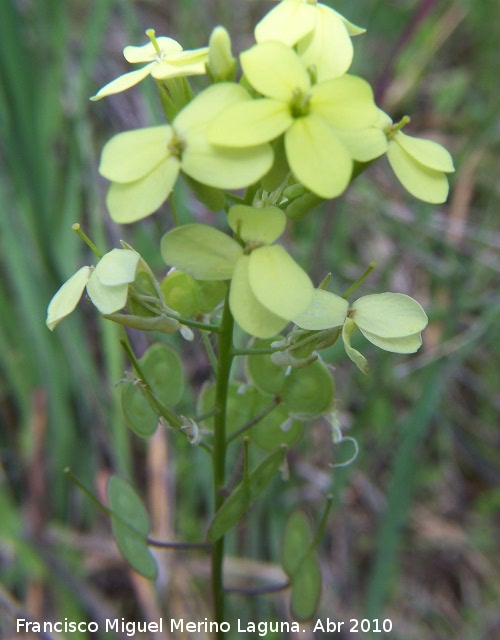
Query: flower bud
[(221, 63)]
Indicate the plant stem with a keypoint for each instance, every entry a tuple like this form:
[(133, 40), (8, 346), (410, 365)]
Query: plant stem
[(224, 361)]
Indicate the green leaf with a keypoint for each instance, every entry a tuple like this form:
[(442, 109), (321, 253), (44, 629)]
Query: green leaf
[(423, 183), (244, 495), (162, 369), (264, 225), (359, 360), (138, 412), (310, 145), (309, 391), (131, 155), (67, 297), (117, 267), (202, 251), (262, 371), (130, 524), (278, 283), (326, 310), (248, 312), (275, 70), (389, 315)]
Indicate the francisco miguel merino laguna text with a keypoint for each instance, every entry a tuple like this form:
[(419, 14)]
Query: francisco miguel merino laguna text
[(131, 628)]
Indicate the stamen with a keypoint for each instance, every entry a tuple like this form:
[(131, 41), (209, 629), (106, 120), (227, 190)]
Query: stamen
[(300, 103)]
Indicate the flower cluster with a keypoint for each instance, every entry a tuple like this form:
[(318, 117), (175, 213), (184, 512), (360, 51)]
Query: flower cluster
[(295, 92), (295, 126)]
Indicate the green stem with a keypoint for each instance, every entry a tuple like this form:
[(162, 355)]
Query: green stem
[(224, 362)]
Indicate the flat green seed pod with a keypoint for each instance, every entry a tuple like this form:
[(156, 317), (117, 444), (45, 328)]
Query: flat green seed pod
[(296, 540), (276, 428), (306, 589), (239, 405), (244, 404), (309, 391), (301, 565), (130, 524), (145, 285), (163, 371), (179, 291), (261, 370), (139, 414), (244, 495)]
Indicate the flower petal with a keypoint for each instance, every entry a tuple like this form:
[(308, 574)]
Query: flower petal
[(131, 155), (118, 266), (257, 225), (136, 200), (275, 70), (423, 183), (201, 111), (226, 168), (359, 360), (328, 47), (427, 152), (201, 251), (363, 145), (188, 63), (67, 297), (106, 299), (251, 316), (325, 311), (317, 157), (250, 123), (408, 344), (124, 82), (389, 315), (148, 53), (278, 283), (352, 29), (346, 102), (288, 22)]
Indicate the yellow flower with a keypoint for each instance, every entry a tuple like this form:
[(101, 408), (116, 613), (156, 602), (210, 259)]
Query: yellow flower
[(143, 165), (165, 58), (321, 34), (420, 165), (314, 118)]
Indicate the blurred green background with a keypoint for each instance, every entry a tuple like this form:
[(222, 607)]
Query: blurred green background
[(414, 532)]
